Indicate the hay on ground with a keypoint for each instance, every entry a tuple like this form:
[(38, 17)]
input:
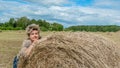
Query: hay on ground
[(73, 50)]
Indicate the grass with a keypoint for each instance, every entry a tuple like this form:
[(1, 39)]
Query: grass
[(11, 41)]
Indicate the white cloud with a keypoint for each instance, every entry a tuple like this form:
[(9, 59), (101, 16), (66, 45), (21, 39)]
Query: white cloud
[(114, 4), (67, 15), (48, 2), (82, 15)]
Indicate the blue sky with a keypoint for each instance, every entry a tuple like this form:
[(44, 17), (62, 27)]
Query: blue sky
[(65, 12)]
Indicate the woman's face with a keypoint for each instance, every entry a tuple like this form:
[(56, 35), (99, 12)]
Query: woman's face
[(34, 35)]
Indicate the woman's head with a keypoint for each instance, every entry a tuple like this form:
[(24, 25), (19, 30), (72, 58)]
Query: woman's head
[(33, 31)]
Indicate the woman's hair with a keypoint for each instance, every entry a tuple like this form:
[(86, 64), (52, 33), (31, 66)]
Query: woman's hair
[(32, 27)]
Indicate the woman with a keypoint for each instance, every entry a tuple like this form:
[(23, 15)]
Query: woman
[(33, 31)]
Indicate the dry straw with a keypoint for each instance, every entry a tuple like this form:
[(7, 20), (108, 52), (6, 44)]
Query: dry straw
[(73, 50)]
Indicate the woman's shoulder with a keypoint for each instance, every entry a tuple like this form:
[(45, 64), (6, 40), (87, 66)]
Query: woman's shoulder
[(26, 43)]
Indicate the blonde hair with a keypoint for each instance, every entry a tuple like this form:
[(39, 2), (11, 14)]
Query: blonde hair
[(32, 27)]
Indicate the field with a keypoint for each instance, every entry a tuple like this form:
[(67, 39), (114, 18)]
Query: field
[(11, 41)]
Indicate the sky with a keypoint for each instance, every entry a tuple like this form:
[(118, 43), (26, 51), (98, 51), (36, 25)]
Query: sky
[(66, 12)]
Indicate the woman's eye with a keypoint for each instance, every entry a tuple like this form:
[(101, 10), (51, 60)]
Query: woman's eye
[(32, 33)]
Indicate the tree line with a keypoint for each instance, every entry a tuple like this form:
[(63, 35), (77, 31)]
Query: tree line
[(94, 28), (22, 22)]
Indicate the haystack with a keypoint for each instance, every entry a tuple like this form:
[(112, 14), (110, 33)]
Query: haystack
[(73, 50)]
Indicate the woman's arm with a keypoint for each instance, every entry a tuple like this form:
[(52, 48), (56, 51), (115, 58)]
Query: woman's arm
[(27, 47), (28, 50)]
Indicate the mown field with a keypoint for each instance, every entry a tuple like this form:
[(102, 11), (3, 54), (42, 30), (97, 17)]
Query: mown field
[(11, 41)]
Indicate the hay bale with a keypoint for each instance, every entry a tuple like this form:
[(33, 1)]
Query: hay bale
[(73, 50)]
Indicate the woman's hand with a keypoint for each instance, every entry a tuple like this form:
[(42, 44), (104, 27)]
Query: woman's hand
[(35, 42)]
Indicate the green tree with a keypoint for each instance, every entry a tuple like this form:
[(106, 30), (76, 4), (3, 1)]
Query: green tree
[(56, 27), (22, 22)]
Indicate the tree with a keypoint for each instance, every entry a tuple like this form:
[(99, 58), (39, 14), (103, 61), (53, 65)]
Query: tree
[(56, 27), (22, 22), (11, 22)]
